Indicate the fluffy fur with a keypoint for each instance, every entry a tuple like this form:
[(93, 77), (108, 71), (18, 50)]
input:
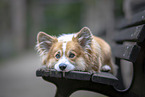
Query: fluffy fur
[(78, 51)]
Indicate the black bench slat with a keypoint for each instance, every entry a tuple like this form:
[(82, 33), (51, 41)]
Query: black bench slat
[(104, 78), (45, 72), (68, 75), (137, 19), (127, 52), (78, 75), (131, 34)]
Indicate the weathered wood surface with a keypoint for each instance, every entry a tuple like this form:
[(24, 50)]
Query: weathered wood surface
[(135, 34), (127, 52), (104, 78), (137, 19)]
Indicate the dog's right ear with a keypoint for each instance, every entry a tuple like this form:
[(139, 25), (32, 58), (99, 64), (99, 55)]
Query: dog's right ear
[(44, 42), (84, 38)]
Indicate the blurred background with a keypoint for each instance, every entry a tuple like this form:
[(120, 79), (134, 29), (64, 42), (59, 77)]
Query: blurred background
[(21, 20)]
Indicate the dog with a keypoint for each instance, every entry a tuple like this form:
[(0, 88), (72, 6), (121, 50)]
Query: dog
[(80, 51)]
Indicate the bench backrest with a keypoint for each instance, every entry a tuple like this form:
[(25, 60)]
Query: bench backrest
[(132, 32)]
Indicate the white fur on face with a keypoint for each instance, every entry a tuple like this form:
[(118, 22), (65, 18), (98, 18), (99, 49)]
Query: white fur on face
[(64, 60)]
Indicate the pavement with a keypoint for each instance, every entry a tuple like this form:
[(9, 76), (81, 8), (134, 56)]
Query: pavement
[(18, 79)]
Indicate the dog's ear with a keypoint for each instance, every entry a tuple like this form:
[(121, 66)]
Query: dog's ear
[(44, 42), (84, 37)]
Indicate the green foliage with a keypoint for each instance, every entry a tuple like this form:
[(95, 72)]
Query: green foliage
[(62, 18), (118, 8)]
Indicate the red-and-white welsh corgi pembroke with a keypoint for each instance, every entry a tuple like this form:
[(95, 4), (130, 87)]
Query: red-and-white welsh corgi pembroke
[(79, 51)]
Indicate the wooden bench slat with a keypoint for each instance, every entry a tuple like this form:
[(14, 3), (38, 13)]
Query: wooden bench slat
[(127, 52), (106, 78), (137, 19), (78, 75), (45, 72), (131, 34), (68, 75)]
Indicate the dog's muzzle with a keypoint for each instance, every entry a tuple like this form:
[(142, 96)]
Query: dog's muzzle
[(62, 66)]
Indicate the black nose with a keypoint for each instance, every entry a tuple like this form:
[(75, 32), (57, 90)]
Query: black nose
[(62, 66)]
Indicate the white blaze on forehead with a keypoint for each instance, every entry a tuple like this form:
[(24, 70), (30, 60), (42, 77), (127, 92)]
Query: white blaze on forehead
[(65, 37), (64, 48)]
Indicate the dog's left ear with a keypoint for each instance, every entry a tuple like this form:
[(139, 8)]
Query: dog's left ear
[(44, 42), (84, 37)]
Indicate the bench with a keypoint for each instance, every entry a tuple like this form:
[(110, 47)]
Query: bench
[(105, 83)]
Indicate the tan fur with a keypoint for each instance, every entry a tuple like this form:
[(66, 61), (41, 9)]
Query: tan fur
[(105, 53), (50, 60)]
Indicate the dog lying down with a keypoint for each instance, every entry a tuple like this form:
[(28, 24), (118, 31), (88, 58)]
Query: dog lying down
[(80, 51)]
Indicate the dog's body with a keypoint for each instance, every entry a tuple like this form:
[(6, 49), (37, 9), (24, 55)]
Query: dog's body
[(80, 51)]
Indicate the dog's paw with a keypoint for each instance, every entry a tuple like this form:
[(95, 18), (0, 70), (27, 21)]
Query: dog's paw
[(106, 68)]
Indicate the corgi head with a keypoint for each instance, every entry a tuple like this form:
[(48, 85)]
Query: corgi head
[(66, 52)]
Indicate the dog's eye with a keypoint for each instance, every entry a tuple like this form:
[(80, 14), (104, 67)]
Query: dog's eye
[(72, 55), (57, 55)]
